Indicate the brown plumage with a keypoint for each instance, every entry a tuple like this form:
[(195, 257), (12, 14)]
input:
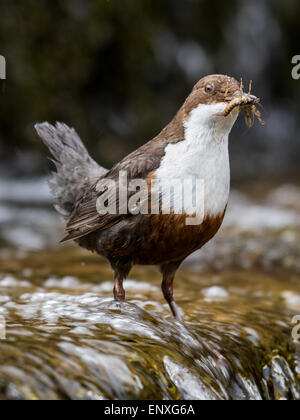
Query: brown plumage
[(127, 239)]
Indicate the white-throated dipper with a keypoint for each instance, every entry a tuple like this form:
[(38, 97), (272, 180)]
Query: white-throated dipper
[(193, 145)]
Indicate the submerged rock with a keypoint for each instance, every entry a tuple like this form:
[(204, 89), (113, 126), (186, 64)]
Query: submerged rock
[(67, 339), (62, 336)]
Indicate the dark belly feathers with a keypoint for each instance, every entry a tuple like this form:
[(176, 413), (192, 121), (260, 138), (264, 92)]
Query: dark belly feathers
[(152, 239)]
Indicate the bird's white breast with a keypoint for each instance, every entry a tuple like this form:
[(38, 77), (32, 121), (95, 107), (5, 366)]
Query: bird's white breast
[(202, 155)]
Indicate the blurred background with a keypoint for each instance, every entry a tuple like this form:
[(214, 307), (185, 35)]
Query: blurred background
[(118, 70)]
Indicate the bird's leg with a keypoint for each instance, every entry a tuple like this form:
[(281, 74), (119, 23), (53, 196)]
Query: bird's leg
[(168, 271), (119, 292), (121, 271)]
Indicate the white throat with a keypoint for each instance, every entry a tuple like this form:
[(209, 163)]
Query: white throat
[(202, 155)]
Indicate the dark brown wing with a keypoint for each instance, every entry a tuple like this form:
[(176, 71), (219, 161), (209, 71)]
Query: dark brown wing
[(139, 164)]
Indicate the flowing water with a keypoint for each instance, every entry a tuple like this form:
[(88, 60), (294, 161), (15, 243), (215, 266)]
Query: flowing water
[(65, 338)]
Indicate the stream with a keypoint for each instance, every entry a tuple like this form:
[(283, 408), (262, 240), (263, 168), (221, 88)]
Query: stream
[(63, 337)]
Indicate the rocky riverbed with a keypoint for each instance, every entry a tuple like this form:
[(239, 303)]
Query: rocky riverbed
[(65, 338)]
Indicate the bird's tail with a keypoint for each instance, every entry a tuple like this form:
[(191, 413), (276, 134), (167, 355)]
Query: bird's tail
[(75, 169)]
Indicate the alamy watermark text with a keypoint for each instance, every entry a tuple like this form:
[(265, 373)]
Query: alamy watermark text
[(2, 67), (296, 68), (140, 196)]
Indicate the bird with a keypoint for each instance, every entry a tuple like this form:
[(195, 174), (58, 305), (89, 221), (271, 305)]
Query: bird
[(193, 145)]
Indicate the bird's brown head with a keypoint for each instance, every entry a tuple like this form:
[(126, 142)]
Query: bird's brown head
[(213, 89), (217, 96)]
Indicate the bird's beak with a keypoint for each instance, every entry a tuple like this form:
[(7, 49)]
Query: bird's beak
[(242, 99), (245, 102)]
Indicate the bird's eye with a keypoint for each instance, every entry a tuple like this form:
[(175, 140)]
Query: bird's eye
[(209, 88)]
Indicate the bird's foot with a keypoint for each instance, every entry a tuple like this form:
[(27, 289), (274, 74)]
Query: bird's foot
[(176, 311)]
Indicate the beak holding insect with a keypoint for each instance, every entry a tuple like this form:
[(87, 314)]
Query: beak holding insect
[(247, 105)]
